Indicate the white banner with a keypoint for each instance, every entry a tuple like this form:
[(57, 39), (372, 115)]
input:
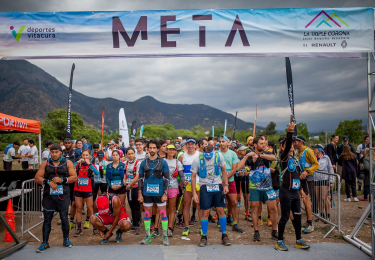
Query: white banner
[(318, 32), (123, 126)]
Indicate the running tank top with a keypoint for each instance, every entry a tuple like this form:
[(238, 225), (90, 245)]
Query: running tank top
[(187, 161)]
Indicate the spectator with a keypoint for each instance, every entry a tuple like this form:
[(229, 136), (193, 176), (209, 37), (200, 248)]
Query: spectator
[(62, 145), (168, 141), (122, 144), (349, 172), (362, 147), (83, 139), (366, 170), (9, 155), (46, 152), (22, 151), (32, 154), (331, 149), (345, 142), (131, 143)]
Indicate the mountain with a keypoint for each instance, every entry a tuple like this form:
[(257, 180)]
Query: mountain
[(27, 91)]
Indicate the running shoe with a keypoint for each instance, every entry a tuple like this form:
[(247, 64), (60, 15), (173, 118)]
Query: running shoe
[(200, 231), (165, 241), (104, 241), (281, 246), (355, 199), (191, 223), (269, 222), (309, 228), (225, 240), (203, 241), (274, 235), (67, 243), (186, 231), (301, 244), (71, 225), (146, 240), (239, 205), (95, 231), (260, 222), (118, 236), (348, 200), (237, 228), (218, 225), (170, 232), (181, 224), (86, 225), (256, 236), (78, 233), (211, 219), (193, 219), (42, 247), (137, 231), (230, 221), (154, 233)]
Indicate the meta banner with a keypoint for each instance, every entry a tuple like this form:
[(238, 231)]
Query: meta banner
[(223, 32)]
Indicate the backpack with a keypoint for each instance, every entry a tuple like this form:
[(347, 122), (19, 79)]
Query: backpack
[(7, 148)]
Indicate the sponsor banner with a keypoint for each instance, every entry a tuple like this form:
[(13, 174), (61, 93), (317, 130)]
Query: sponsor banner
[(15, 124), (317, 32)]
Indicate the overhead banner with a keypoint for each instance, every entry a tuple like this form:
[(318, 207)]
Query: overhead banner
[(317, 32)]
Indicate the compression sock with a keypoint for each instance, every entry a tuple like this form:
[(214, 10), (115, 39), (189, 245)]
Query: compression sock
[(204, 224), (223, 224), (147, 222), (164, 221), (79, 224)]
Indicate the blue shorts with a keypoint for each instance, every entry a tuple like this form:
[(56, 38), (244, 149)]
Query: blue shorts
[(261, 195), (211, 199)]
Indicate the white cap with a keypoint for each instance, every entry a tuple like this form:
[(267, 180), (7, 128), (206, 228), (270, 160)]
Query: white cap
[(179, 137)]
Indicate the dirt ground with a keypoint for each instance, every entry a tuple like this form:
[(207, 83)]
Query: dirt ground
[(350, 214)]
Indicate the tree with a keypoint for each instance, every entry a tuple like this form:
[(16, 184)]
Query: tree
[(270, 129), (352, 129)]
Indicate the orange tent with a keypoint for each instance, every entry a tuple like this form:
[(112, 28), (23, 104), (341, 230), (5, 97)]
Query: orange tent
[(12, 124)]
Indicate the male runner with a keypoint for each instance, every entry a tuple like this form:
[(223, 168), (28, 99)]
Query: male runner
[(211, 168), (55, 175), (110, 212), (140, 155), (153, 186), (163, 149), (259, 163), (231, 162)]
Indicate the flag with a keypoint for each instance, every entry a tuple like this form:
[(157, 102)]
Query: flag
[(213, 131), (123, 127), (225, 127), (102, 145), (289, 81), (234, 127), (255, 121), (141, 132), (68, 123), (133, 129)]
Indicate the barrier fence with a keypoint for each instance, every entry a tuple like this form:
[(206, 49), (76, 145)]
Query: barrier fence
[(32, 214), (324, 193)]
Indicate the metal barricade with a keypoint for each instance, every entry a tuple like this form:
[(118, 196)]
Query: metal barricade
[(325, 199), (32, 214)]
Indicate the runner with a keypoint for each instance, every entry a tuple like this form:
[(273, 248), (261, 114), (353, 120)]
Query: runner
[(231, 162), (122, 144), (140, 155), (163, 149), (131, 176), (309, 164), (290, 191), (83, 189), (79, 145), (259, 163), (175, 170), (242, 183), (202, 142), (100, 179), (187, 159), (108, 154), (211, 168), (115, 177), (250, 143), (153, 188), (55, 175), (110, 212)]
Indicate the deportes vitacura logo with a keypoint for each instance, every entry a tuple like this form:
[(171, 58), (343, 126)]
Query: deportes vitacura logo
[(34, 33), (17, 35), (327, 21)]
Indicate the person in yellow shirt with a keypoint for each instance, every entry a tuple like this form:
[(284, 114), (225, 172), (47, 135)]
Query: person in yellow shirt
[(309, 164)]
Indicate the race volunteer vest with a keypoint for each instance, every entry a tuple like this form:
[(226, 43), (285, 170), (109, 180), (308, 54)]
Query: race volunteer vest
[(116, 176), (302, 160), (154, 181), (130, 174), (187, 161), (203, 166), (60, 171), (84, 174), (110, 198)]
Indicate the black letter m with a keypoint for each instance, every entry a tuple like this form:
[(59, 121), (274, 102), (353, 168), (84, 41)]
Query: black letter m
[(118, 27)]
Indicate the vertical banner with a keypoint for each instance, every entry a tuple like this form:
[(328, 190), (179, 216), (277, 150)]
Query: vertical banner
[(234, 128), (123, 127), (133, 129), (68, 123), (213, 131), (141, 132), (225, 127), (289, 81), (102, 129), (255, 121)]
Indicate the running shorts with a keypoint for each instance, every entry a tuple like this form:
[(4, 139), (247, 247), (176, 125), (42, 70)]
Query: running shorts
[(261, 195), (107, 219), (82, 194), (188, 187), (211, 199), (149, 201)]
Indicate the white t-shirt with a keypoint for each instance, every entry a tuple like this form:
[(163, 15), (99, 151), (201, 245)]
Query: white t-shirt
[(11, 152), (34, 151), (140, 157), (211, 178), (173, 183), (23, 150), (130, 171)]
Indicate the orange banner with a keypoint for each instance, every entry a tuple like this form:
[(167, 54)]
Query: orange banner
[(12, 123)]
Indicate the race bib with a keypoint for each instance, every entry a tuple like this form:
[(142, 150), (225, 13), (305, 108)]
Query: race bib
[(115, 183), (213, 188), (58, 191), (296, 184), (271, 194), (153, 188), (188, 177), (170, 183), (83, 181), (97, 179), (128, 180)]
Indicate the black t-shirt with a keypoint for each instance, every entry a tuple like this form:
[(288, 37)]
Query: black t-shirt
[(258, 163), (276, 178)]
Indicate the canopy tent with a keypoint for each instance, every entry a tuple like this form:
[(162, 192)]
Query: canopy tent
[(11, 124)]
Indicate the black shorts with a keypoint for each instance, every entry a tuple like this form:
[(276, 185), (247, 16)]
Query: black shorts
[(242, 184), (211, 199), (153, 200), (82, 194), (55, 203), (120, 191), (305, 186)]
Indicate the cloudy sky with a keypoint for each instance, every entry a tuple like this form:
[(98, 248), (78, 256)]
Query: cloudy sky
[(327, 91)]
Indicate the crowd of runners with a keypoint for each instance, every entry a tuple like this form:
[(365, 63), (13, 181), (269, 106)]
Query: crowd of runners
[(173, 185)]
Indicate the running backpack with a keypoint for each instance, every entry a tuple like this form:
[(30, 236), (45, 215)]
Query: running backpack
[(7, 148)]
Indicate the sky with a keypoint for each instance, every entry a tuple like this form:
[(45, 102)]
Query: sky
[(326, 91)]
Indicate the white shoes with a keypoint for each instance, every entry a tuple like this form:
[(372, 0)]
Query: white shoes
[(355, 199), (348, 200)]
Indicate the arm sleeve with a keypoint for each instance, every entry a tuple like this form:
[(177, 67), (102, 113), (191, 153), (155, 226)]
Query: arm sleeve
[(165, 170), (106, 176), (180, 169), (289, 142), (141, 175), (94, 169)]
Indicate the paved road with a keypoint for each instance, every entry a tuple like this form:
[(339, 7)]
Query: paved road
[(320, 251)]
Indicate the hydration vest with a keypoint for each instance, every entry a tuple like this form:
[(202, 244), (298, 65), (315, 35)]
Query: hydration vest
[(84, 175), (302, 160), (293, 165), (60, 171), (154, 181), (203, 166), (110, 198), (110, 172)]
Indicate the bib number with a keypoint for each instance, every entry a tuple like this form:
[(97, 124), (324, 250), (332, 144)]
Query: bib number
[(271, 194), (115, 183), (128, 180), (97, 179), (171, 183), (213, 188), (58, 191), (153, 188), (83, 181), (296, 184), (188, 177)]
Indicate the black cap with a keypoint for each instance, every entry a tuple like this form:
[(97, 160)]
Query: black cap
[(83, 136), (299, 138), (56, 147), (101, 154), (95, 146), (345, 138), (120, 136)]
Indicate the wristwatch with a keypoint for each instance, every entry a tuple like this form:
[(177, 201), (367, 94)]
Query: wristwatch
[(227, 185), (166, 192)]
